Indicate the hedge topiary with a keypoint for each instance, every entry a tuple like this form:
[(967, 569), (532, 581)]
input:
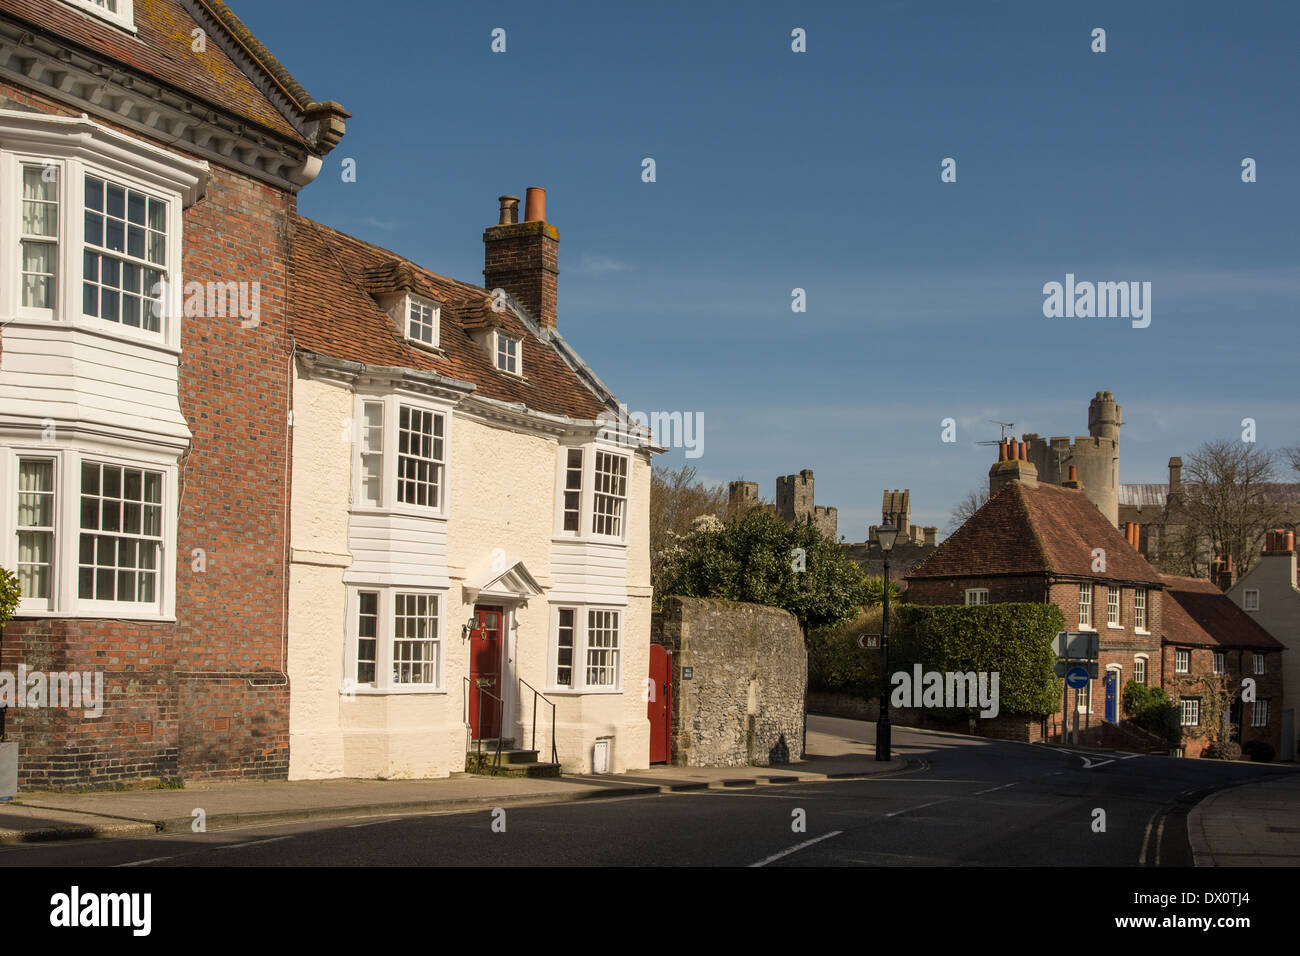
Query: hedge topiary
[(1015, 640)]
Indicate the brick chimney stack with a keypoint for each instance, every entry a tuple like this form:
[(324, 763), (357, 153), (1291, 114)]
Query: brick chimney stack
[(524, 257), (1012, 465)]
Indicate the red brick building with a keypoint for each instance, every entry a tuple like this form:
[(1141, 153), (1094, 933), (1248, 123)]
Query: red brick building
[(1041, 543), (1034, 542), (150, 158), (1211, 646)]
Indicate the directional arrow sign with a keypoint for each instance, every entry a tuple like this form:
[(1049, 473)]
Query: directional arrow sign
[(1077, 677), (869, 640)]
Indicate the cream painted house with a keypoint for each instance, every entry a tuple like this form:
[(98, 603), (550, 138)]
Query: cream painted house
[(469, 535)]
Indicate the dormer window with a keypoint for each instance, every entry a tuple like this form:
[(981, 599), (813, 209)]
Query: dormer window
[(118, 12), (422, 321), (507, 353)]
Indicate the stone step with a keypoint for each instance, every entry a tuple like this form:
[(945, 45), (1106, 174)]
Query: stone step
[(517, 763)]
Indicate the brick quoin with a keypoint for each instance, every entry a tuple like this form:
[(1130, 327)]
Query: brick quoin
[(207, 696)]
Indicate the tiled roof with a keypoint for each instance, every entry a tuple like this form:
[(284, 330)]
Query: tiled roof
[(334, 311), (1043, 529), (1201, 615), (161, 49)]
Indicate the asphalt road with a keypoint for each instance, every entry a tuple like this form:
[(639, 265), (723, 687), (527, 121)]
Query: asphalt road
[(964, 802)]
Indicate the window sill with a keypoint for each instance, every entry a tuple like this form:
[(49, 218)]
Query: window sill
[(426, 690), (1114, 627), (427, 513), (588, 692), (434, 350), (1142, 631), (122, 614), (97, 327), (589, 539)]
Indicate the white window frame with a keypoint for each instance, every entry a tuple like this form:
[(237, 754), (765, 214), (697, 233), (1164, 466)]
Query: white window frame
[(123, 16), (581, 648), (409, 304), (587, 497), (500, 339), (1114, 607), (1219, 663), (64, 598), (388, 502), (1259, 712), (1189, 707), (1085, 607), (1182, 660), (1083, 698), (384, 684), (1259, 663), (1250, 599), (1140, 664), (1140, 611), (977, 596), (71, 247)]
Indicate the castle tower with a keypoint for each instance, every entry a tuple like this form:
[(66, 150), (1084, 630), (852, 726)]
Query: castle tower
[(795, 503), (794, 496), (742, 496), (1095, 456), (896, 508)]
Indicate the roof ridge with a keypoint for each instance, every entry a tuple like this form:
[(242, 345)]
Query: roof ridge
[(1040, 545), (365, 293), (393, 254), (258, 52)]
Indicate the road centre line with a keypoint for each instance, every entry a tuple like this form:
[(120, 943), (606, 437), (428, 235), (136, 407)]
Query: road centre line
[(794, 849), (237, 846)]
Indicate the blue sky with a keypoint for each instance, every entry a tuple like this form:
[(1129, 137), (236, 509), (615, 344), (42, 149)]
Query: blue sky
[(821, 170)]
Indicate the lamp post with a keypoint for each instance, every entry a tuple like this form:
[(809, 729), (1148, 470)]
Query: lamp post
[(886, 534)]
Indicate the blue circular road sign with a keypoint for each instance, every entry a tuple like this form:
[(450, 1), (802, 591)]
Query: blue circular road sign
[(1077, 677)]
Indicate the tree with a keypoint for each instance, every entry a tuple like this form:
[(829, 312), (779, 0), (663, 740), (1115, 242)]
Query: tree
[(761, 560), (10, 594), (972, 503), (1226, 504), (1217, 695), (677, 498)]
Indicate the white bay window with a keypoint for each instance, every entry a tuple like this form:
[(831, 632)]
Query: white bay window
[(592, 499), (586, 649), (401, 455), (88, 533), (395, 641)]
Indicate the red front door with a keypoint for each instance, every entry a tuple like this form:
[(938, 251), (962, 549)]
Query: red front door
[(658, 706), (485, 691)]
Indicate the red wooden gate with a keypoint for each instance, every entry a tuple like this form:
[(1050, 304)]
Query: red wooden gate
[(659, 703)]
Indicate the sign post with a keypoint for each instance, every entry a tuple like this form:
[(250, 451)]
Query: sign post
[(1076, 653)]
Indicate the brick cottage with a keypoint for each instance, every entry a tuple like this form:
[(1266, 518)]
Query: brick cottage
[(150, 158)]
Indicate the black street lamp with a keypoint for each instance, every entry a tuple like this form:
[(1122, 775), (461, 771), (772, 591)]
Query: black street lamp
[(886, 534)]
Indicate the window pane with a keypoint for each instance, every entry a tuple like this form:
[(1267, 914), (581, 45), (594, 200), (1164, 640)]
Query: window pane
[(120, 563)]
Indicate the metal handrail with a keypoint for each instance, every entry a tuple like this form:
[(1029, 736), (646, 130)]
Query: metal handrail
[(555, 757), (501, 716)]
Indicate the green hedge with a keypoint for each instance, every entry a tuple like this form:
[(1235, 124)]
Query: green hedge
[(837, 663), (1015, 640)]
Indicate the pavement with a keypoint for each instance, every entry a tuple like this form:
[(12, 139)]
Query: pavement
[(1257, 824), (834, 752)]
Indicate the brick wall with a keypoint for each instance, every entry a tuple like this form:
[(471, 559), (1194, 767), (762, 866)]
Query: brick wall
[(206, 696), (744, 704), (1237, 664)]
